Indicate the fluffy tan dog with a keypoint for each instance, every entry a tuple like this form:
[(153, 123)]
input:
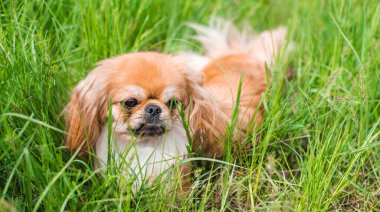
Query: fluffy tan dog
[(142, 92)]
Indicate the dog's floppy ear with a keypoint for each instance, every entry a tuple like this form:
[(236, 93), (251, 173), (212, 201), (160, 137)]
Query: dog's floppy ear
[(207, 121), (86, 111)]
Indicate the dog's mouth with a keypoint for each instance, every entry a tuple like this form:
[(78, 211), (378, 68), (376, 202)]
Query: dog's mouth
[(150, 130)]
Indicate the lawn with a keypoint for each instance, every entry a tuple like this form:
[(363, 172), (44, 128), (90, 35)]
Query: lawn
[(318, 148)]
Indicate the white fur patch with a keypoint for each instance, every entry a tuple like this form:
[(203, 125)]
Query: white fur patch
[(145, 158), (195, 62), (222, 38), (169, 93)]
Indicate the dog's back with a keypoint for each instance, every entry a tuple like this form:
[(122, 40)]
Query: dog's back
[(238, 58)]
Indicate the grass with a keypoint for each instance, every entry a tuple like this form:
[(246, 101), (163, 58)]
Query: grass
[(319, 142)]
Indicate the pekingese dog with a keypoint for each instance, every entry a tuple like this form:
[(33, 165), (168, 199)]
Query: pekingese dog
[(128, 106)]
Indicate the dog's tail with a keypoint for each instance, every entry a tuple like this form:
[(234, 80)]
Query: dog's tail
[(222, 38)]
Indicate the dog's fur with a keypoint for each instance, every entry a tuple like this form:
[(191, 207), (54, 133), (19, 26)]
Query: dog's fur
[(205, 85)]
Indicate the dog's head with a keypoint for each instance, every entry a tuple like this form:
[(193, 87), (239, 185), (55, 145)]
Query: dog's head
[(144, 91)]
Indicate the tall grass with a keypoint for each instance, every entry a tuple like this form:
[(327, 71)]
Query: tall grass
[(318, 146)]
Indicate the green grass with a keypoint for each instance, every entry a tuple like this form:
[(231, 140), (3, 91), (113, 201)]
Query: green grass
[(319, 142)]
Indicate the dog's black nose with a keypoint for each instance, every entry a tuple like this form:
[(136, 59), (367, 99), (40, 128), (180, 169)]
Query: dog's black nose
[(153, 110)]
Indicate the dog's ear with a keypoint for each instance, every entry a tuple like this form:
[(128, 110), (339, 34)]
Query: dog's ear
[(86, 111), (206, 119)]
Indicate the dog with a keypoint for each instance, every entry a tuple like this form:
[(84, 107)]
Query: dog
[(129, 106)]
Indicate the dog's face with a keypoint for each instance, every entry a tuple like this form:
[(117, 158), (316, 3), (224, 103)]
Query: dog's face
[(143, 91), (146, 95)]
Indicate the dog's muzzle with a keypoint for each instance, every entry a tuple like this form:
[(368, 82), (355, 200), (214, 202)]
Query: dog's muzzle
[(152, 125)]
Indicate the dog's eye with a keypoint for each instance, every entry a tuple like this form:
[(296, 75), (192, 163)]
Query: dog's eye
[(130, 103), (172, 103)]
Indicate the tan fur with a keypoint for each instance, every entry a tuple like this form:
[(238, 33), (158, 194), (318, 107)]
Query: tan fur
[(234, 56), (208, 95), (153, 72), (222, 78), (86, 110)]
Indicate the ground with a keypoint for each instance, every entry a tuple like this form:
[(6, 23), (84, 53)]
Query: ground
[(317, 149)]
